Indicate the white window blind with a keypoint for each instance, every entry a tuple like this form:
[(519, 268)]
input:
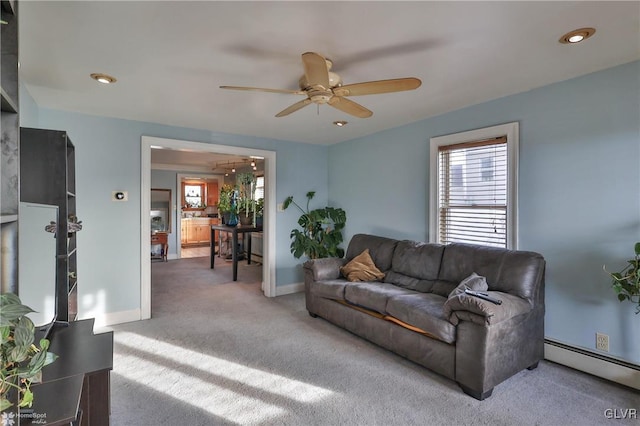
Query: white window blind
[(259, 193), (472, 192)]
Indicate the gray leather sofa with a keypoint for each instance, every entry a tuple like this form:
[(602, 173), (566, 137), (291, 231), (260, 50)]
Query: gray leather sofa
[(478, 347)]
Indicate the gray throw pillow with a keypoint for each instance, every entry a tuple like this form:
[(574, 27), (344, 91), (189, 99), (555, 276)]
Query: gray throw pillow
[(473, 282)]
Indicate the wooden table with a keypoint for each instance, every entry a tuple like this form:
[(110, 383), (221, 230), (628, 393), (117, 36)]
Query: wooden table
[(160, 238), (234, 230)]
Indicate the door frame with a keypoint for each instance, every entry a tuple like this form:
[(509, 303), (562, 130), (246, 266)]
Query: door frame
[(268, 266)]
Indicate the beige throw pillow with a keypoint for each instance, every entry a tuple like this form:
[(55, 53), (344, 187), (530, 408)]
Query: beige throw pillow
[(362, 268)]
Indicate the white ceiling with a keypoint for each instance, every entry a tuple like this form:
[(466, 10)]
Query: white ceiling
[(170, 57), (203, 162)]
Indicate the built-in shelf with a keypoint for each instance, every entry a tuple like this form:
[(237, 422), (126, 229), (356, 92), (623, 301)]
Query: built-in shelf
[(67, 255), (6, 218), (9, 6), (47, 176), (7, 104), (9, 112)]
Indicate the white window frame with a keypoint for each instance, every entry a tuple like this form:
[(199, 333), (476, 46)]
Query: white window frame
[(511, 131)]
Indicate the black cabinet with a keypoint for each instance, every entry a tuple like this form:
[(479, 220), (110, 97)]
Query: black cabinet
[(47, 176)]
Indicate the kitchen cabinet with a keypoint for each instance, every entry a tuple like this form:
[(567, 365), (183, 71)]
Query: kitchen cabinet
[(212, 193), (196, 230), (183, 232)]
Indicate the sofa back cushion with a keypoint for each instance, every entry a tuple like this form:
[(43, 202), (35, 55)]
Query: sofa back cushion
[(516, 272), (415, 265), (380, 248)]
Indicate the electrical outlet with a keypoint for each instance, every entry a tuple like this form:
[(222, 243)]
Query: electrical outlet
[(280, 207), (602, 342)]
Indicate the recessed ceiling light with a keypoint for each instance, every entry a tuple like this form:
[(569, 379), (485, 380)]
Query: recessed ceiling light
[(103, 78), (340, 123), (576, 36)]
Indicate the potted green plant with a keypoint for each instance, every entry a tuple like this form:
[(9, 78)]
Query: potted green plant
[(21, 361), (321, 233), (246, 203), (626, 283), (227, 207), (246, 211), (259, 211)]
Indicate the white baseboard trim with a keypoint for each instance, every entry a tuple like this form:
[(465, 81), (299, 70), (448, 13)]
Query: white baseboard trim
[(113, 318), (578, 359), (281, 290)]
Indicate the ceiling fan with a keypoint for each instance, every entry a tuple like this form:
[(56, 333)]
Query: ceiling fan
[(322, 86)]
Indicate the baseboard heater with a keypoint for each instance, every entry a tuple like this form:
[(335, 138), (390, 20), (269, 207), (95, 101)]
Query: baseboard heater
[(616, 370)]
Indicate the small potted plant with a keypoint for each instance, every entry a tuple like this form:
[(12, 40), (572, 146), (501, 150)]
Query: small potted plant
[(227, 206), (321, 232), (626, 283), (21, 361), (259, 211)]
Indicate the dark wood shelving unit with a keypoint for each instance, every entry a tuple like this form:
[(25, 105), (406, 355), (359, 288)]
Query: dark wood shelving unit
[(47, 176), (9, 154)]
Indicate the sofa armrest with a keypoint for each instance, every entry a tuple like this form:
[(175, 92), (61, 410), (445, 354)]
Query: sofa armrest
[(325, 269), (465, 307)]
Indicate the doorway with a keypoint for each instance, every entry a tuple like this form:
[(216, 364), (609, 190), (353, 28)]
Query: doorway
[(268, 266), (186, 245)]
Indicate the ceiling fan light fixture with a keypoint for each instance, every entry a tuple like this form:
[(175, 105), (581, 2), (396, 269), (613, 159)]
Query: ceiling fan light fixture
[(576, 36), (103, 78), (340, 123)]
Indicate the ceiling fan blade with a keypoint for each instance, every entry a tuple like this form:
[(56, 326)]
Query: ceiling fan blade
[(293, 108), (350, 107), (315, 69), (260, 89), (380, 86)]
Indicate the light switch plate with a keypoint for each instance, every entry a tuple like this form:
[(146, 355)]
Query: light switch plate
[(120, 196)]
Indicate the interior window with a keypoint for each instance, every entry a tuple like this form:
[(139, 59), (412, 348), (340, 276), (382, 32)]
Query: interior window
[(193, 196)]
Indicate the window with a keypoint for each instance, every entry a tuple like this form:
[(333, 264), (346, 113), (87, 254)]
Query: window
[(193, 195), (473, 187), (259, 192)]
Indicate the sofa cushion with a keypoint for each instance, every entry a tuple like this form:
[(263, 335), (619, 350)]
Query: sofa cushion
[(329, 289), (461, 260), (372, 295), (411, 283), (417, 260), (509, 271), (380, 248), (425, 311), (362, 268)]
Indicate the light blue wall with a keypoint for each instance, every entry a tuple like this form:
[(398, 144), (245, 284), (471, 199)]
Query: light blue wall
[(579, 199), (108, 158), (28, 109)]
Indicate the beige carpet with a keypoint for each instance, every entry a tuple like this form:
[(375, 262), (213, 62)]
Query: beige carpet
[(218, 352)]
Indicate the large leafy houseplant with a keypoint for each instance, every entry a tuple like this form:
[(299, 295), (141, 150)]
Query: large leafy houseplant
[(21, 361), (626, 283), (321, 232)]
